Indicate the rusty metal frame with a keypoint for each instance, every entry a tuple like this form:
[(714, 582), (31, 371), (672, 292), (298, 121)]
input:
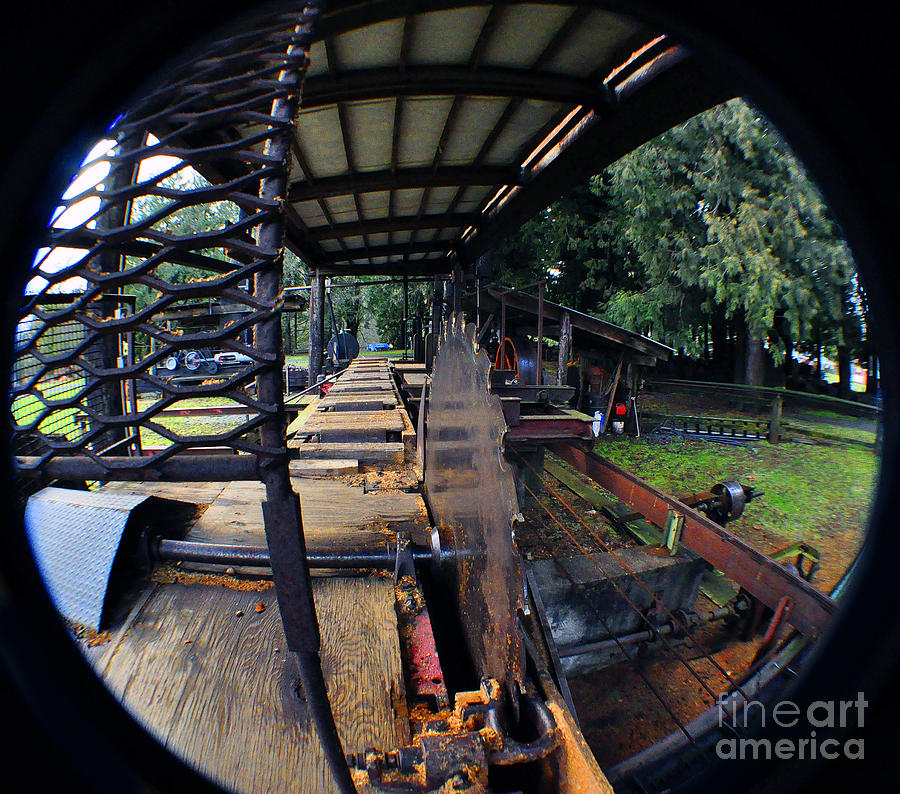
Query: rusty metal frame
[(761, 576), (218, 115)]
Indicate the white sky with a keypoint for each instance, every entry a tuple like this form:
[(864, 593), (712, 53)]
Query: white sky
[(93, 171)]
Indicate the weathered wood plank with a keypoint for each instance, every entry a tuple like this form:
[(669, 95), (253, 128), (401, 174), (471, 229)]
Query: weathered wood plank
[(301, 417), (323, 468), (335, 515), (414, 378), (364, 387), (352, 425), (365, 452), (198, 492), (355, 402), (218, 688)]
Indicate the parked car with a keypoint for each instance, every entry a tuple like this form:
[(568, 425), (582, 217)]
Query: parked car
[(230, 358), (376, 346)]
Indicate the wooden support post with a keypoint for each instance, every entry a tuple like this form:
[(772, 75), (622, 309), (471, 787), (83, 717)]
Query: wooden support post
[(437, 317), (775, 421), (539, 363), (109, 399), (457, 288), (316, 325), (405, 316), (437, 307), (565, 344), (612, 393)]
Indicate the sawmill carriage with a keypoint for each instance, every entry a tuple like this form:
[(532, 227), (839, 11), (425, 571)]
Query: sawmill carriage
[(327, 591)]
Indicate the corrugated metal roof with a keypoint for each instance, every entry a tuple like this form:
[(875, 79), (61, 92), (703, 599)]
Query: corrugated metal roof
[(415, 115)]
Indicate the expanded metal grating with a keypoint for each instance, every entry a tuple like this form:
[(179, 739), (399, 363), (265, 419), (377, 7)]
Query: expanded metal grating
[(178, 212)]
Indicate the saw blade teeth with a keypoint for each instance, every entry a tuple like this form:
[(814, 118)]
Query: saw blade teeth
[(471, 492)]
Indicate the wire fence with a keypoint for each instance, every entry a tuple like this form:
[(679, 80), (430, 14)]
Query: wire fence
[(166, 213)]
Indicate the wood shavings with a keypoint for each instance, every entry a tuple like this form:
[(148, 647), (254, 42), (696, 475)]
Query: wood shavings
[(91, 636), (169, 574)]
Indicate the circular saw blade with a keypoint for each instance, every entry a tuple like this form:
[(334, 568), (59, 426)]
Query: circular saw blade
[(473, 499)]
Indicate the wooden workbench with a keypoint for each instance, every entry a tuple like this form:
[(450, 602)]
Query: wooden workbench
[(200, 659)]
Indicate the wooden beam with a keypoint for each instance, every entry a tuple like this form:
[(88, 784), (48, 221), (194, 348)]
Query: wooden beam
[(402, 223), (554, 45), (398, 249), (341, 17), (673, 96), (451, 80), (404, 179), (553, 311), (331, 57), (487, 30), (416, 267), (295, 224)]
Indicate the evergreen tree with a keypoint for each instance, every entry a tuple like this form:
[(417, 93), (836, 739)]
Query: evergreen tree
[(712, 239)]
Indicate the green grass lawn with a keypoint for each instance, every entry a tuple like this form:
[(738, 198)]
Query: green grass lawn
[(302, 360), (810, 491), (190, 425), (62, 422)]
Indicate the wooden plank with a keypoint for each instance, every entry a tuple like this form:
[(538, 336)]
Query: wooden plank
[(352, 425), (335, 515), (218, 688), (414, 378), (234, 517), (611, 507), (294, 426), (198, 492), (365, 452), (365, 378), (323, 468), (299, 400), (348, 402), (361, 388)]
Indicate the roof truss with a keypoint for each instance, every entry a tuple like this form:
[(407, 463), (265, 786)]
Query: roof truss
[(522, 122)]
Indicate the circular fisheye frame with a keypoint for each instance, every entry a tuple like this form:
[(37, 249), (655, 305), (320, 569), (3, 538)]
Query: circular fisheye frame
[(825, 78)]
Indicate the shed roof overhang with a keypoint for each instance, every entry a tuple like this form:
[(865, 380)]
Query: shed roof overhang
[(429, 131)]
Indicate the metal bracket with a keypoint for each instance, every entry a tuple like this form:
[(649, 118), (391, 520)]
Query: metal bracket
[(673, 527)]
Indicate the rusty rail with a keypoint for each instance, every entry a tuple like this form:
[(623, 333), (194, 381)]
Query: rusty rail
[(757, 573)]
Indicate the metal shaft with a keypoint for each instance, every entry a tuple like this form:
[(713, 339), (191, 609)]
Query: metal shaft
[(258, 556)]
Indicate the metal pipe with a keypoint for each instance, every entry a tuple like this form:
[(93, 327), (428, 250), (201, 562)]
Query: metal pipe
[(314, 386), (258, 556), (178, 468), (647, 635)]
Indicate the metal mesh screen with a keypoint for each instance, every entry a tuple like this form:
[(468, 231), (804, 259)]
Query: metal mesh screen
[(157, 245)]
